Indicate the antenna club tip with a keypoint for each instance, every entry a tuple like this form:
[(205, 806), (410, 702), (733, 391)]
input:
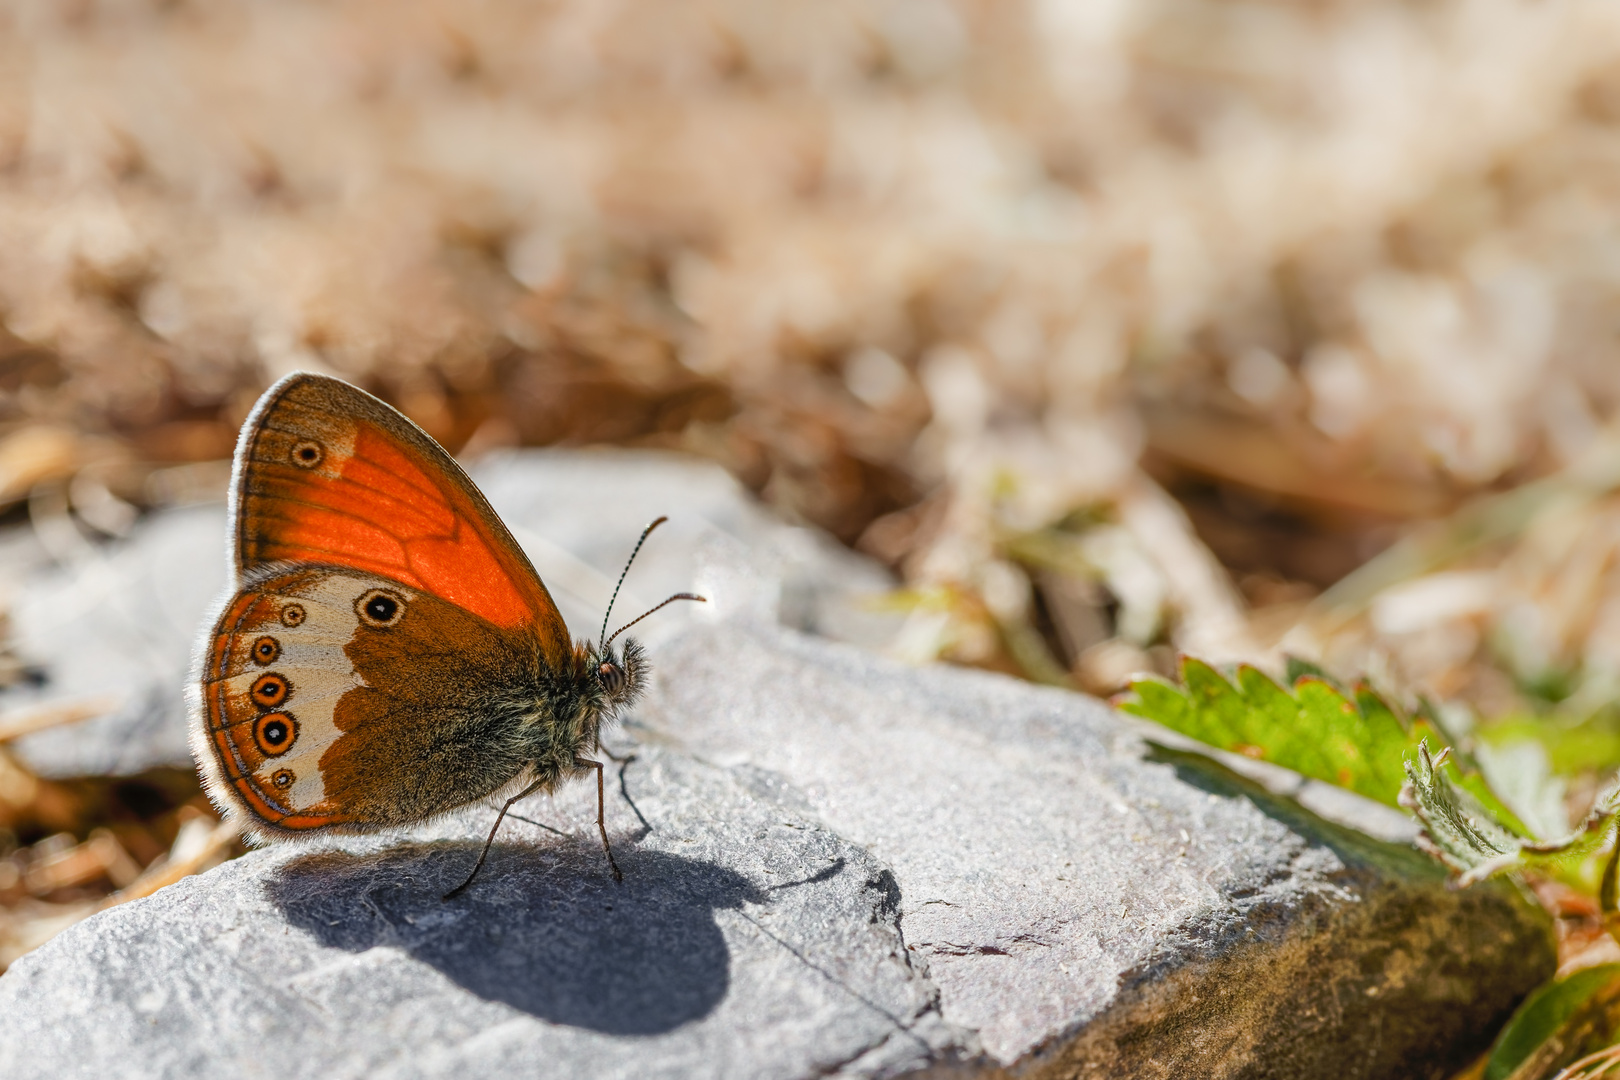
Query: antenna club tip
[(666, 603)]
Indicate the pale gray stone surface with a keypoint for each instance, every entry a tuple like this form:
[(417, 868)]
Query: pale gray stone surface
[(1057, 870), (746, 940), (835, 865), (120, 621)]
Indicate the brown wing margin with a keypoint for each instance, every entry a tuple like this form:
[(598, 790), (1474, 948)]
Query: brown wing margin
[(326, 473)]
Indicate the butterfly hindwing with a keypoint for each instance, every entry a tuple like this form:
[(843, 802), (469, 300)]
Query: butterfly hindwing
[(327, 474), (338, 698)]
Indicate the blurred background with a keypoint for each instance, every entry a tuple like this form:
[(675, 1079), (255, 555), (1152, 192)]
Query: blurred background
[(1116, 328)]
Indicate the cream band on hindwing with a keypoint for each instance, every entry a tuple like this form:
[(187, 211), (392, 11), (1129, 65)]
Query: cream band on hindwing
[(277, 674)]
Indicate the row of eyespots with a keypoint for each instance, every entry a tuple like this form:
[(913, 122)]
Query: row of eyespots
[(274, 731)]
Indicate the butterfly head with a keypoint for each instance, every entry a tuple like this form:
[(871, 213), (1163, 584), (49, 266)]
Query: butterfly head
[(620, 677), (620, 674)]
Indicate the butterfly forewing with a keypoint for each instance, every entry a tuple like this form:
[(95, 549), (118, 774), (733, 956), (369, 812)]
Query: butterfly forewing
[(327, 474)]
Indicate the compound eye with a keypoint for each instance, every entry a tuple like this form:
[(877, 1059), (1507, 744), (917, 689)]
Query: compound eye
[(380, 608), (611, 676)]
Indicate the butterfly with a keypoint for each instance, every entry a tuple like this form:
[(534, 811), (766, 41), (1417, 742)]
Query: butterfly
[(385, 652)]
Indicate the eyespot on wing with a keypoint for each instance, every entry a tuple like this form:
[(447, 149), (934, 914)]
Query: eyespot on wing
[(275, 733), (307, 454), (380, 608), (270, 691)]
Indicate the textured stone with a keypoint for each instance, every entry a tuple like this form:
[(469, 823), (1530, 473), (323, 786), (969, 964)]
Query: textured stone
[(1084, 897), (746, 940), (835, 865), (121, 623)]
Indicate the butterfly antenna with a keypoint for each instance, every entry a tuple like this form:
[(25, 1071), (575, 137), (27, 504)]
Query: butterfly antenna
[(606, 614), (666, 603)]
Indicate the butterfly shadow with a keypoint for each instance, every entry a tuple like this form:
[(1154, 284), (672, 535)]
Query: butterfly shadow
[(546, 930)]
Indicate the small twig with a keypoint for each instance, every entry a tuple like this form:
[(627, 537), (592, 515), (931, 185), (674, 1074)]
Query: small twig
[(1593, 1067), (100, 855), (167, 872), (54, 714)]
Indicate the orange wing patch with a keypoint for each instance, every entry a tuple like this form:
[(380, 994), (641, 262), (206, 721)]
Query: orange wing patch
[(329, 474)]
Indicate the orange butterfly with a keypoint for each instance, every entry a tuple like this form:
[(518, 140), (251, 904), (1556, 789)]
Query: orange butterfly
[(389, 653)]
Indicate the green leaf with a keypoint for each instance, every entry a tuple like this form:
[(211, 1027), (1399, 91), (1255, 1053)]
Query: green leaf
[(1355, 740), (1458, 829), (1593, 743), (1544, 1013), (1466, 827), (1384, 729), (1296, 669)]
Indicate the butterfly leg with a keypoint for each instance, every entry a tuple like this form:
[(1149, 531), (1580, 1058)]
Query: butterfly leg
[(482, 855), (601, 806)]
